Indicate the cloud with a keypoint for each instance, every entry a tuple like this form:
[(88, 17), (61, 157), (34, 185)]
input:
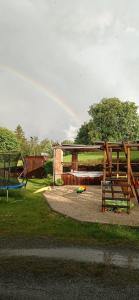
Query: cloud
[(80, 50), (71, 132)]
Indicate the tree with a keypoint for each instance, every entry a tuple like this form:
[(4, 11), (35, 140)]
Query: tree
[(19, 132), (67, 142), (8, 140), (20, 135), (34, 146), (114, 120), (83, 135), (46, 146)]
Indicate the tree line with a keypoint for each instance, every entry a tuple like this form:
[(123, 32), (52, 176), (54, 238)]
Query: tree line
[(17, 141)]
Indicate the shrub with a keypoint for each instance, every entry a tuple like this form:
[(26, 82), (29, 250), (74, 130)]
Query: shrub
[(48, 167), (49, 180), (59, 182)]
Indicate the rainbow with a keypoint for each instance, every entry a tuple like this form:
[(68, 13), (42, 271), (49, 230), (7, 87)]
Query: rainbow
[(61, 102)]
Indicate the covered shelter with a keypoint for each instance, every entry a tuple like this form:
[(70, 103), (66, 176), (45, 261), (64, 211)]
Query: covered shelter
[(77, 172)]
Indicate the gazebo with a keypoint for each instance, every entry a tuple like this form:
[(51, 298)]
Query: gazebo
[(76, 174)]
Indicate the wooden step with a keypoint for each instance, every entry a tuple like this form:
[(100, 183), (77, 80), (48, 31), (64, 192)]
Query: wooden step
[(116, 179), (115, 192), (112, 206), (115, 199), (113, 184)]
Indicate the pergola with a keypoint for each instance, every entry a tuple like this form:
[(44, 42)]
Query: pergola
[(74, 150)]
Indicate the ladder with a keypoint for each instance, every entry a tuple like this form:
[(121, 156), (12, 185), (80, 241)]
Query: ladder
[(116, 190)]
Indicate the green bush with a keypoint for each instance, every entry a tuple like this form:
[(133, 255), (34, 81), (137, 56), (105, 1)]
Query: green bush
[(49, 180), (48, 167), (59, 182)]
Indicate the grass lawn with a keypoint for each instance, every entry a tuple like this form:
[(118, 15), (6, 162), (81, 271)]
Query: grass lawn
[(99, 156), (28, 215)]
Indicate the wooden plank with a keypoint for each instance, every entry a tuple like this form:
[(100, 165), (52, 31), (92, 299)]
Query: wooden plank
[(116, 206), (116, 199), (117, 192)]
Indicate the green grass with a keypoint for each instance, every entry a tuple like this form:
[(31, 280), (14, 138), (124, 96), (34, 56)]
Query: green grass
[(28, 215), (99, 156), (85, 156)]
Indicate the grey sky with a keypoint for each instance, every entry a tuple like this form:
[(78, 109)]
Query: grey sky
[(57, 57)]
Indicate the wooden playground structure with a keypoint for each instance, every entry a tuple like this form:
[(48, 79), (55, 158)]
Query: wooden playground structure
[(119, 176)]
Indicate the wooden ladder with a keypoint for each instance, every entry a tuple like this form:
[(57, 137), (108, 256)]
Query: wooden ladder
[(132, 178), (113, 186)]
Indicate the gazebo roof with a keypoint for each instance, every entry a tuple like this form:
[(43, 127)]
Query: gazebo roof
[(79, 148), (99, 146)]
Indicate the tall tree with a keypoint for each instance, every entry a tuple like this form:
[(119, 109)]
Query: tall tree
[(20, 135), (34, 146), (111, 120), (19, 132), (114, 120), (83, 135), (46, 146)]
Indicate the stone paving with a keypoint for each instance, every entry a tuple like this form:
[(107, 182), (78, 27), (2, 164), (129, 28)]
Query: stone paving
[(86, 207)]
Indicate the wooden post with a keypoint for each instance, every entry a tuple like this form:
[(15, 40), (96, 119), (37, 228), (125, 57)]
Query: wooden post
[(75, 161), (110, 158), (128, 179), (103, 182), (117, 163)]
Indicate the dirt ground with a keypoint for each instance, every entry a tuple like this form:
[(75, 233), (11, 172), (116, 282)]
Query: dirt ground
[(87, 206)]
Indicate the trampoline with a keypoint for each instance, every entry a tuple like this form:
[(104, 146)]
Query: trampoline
[(10, 178)]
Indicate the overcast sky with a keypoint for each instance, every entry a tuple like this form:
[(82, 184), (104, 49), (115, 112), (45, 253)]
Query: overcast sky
[(57, 57)]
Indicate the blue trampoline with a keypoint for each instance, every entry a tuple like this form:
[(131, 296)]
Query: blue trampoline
[(10, 177)]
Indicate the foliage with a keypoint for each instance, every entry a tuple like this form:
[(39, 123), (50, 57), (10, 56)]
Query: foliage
[(8, 140), (20, 135), (67, 142), (46, 146), (48, 167), (49, 180), (59, 182), (114, 120), (34, 148), (83, 135), (111, 120)]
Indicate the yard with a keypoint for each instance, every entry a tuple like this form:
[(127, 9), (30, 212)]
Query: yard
[(86, 156), (27, 215)]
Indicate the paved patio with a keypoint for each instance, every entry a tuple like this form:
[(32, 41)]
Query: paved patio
[(86, 207)]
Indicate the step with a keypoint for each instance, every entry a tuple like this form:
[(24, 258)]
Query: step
[(116, 179), (115, 199), (113, 184), (119, 206), (115, 192)]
